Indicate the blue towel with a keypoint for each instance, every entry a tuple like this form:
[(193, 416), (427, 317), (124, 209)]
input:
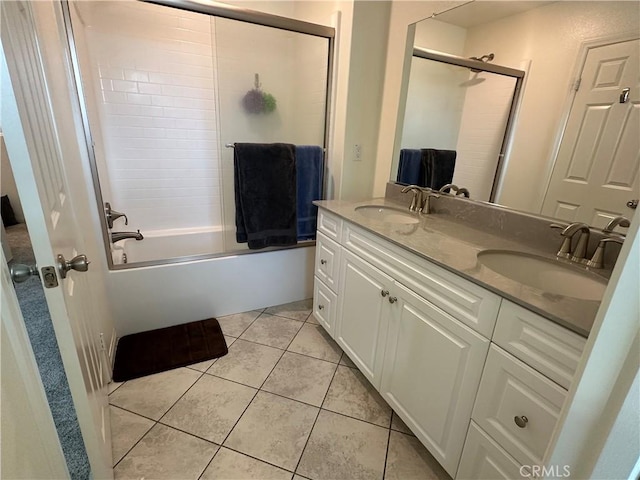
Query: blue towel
[(410, 167), (310, 176)]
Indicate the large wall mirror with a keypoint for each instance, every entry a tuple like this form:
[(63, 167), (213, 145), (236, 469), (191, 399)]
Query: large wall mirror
[(572, 148)]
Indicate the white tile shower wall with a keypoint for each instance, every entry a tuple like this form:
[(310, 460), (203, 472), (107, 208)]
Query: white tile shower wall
[(482, 126), (157, 106)]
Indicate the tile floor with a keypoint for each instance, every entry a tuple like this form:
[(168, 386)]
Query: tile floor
[(284, 403)]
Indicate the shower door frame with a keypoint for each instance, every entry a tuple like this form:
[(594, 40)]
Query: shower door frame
[(216, 10), (519, 75)]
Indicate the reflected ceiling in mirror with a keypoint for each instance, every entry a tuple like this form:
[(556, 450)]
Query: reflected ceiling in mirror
[(551, 42)]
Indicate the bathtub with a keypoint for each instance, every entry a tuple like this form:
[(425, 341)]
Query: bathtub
[(167, 244), (151, 296)]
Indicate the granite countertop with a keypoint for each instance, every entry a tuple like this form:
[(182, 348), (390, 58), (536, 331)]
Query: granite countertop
[(454, 246)]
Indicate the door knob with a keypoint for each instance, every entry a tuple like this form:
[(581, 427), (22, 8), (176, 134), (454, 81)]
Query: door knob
[(78, 263), (633, 203), (384, 293), (393, 299), (20, 273)]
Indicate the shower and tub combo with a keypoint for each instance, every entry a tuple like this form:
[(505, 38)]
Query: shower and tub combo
[(163, 89)]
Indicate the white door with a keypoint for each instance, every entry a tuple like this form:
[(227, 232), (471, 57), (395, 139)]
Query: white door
[(432, 369), (361, 325), (34, 152), (30, 445), (596, 171)]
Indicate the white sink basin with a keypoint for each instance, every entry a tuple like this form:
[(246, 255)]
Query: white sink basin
[(388, 214), (544, 274)]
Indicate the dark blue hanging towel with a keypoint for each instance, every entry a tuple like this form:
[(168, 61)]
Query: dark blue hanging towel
[(310, 176), (265, 194), (438, 166), (410, 167)]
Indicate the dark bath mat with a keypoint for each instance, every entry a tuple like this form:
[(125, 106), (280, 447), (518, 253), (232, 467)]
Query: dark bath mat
[(155, 351)]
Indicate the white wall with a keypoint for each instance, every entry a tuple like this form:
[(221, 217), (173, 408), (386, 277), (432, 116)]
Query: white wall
[(366, 76), (8, 183)]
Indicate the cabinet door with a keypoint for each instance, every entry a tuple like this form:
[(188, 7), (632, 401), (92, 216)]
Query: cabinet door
[(361, 324), (432, 369)]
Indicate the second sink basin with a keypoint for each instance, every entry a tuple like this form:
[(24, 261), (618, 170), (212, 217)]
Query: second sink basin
[(387, 214), (545, 274)]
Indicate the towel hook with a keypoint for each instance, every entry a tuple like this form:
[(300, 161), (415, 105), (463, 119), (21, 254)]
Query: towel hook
[(257, 81)]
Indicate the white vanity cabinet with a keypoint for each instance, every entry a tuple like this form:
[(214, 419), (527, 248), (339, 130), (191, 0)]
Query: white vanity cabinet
[(478, 379)]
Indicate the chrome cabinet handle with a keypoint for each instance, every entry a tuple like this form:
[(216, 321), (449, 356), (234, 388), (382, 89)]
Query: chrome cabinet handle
[(323, 261), (393, 299), (384, 293), (521, 421)]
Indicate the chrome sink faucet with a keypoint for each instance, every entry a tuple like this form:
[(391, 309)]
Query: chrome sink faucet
[(568, 231), (416, 201)]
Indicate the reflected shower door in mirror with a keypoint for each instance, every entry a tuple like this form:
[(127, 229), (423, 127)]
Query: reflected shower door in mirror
[(456, 108), (573, 150)]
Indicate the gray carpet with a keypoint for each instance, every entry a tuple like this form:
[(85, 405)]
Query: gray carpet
[(45, 347)]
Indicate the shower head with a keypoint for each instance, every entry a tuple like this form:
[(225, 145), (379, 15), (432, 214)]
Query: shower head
[(483, 59)]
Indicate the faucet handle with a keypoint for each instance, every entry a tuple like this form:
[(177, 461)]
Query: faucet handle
[(597, 260), (113, 215), (565, 248)]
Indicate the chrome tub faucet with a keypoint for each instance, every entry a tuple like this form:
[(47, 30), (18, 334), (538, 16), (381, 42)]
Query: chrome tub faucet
[(117, 236)]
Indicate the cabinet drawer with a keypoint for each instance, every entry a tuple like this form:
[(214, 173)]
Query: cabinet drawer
[(484, 459), (469, 303), (330, 225), (551, 349), (511, 389), (327, 261), (324, 305)]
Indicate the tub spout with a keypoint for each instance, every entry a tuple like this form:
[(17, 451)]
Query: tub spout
[(117, 236)]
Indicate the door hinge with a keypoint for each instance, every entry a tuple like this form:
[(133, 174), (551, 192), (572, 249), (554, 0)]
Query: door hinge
[(576, 85), (102, 345), (49, 277)]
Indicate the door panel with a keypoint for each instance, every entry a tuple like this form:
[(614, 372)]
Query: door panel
[(596, 171), (432, 370), (361, 327), (34, 152), (30, 445)]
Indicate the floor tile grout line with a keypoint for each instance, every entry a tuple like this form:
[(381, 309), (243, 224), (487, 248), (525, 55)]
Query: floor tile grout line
[(314, 422), (250, 456), (135, 444), (386, 455)]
